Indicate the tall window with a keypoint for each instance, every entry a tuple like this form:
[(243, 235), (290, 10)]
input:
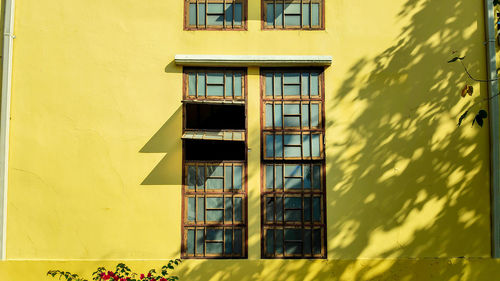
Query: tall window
[(295, 14), (215, 14), (214, 174), (293, 163)]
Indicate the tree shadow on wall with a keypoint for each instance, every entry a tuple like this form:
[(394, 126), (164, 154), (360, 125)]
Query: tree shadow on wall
[(166, 140), (403, 182)]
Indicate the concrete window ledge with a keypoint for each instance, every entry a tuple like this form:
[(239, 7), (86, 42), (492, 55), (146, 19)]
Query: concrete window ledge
[(269, 61)]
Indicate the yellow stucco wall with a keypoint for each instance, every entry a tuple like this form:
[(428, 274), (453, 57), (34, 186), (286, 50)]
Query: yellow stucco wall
[(95, 150)]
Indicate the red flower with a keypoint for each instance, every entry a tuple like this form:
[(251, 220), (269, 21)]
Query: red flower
[(110, 273), (142, 276), (102, 274), (163, 279), (106, 277), (149, 275)]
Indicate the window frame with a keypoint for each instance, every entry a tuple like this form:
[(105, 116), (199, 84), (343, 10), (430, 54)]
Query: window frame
[(244, 19), (302, 193), (321, 18)]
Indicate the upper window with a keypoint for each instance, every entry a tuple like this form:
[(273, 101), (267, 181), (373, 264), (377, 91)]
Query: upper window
[(296, 14), (215, 14)]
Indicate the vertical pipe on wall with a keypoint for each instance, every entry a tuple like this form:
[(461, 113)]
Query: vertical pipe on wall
[(5, 117), (494, 126)]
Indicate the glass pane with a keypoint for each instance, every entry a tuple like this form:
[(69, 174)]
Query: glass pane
[(293, 235), (201, 84), (307, 209), (270, 14), (238, 177), (292, 8), (277, 84), (315, 115), (270, 209), (192, 14), (293, 248), (292, 151), (316, 176), (305, 84), (279, 208), (292, 20), (215, 19), (215, 78), (293, 215), (214, 202), (229, 14), (293, 183), (293, 171), (307, 176), (269, 176), (238, 215), (269, 146), (200, 241), (315, 14), (306, 145), (229, 209), (307, 242), (292, 90), (215, 171), (191, 208), (305, 115), (292, 139), (214, 215), (277, 115), (291, 78), (279, 145), (200, 216), (279, 241), (292, 121), (191, 177), (228, 182), (317, 241), (229, 85), (314, 84), (200, 182), (269, 241), (190, 241), (215, 8), (315, 145), (201, 14), (238, 13), (269, 84), (279, 15), (228, 241), (305, 15), (293, 203), (214, 248), (238, 238), (292, 109), (215, 91), (279, 176), (192, 84), (316, 208), (237, 84), (214, 234), (269, 115), (215, 183)]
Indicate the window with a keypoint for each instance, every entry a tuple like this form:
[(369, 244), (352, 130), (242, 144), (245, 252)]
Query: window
[(296, 14), (215, 14), (293, 162), (214, 181)]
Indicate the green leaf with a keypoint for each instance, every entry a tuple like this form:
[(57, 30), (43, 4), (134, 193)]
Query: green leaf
[(462, 117), (482, 114), (453, 59)]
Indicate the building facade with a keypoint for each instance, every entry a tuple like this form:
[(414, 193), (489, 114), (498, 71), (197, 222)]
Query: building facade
[(254, 139)]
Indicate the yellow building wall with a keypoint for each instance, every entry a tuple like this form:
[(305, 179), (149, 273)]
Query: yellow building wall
[(96, 120)]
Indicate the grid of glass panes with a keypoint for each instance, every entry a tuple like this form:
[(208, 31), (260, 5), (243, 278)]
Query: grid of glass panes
[(296, 14), (214, 218), (219, 14), (217, 84), (293, 189)]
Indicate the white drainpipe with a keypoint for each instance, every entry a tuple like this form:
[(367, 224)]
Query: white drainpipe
[(489, 19), (8, 37)]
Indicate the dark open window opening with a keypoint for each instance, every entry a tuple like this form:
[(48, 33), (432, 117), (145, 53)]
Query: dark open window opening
[(205, 150), (214, 116)]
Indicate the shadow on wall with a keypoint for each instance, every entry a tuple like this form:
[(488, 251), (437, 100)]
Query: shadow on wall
[(402, 180), (166, 140)]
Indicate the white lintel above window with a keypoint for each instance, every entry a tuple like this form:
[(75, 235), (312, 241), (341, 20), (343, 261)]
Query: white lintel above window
[(249, 60)]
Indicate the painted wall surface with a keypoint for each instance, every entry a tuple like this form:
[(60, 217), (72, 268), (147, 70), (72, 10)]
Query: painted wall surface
[(95, 149)]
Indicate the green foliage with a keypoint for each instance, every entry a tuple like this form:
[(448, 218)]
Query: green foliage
[(122, 273)]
